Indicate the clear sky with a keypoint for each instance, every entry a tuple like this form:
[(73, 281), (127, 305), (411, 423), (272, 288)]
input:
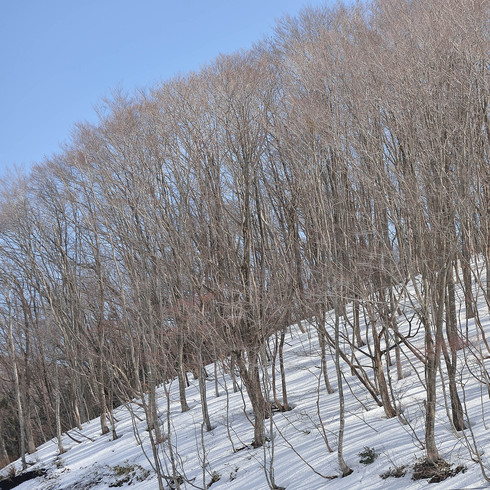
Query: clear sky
[(59, 58)]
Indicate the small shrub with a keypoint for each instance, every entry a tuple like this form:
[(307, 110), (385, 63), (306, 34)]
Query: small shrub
[(123, 470), (173, 482), (214, 478), (435, 472), (128, 473), (367, 455), (396, 472)]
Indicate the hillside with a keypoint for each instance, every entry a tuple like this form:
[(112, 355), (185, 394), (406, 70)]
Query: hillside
[(297, 446), (273, 272)]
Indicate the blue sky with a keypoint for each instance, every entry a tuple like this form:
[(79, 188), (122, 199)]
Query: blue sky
[(59, 58)]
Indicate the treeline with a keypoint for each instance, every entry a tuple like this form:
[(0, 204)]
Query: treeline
[(345, 155)]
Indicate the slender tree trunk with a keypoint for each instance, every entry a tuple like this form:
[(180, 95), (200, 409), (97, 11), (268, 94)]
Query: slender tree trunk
[(340, 448), (323, 353), (76, 390), (31, 445), (233, 365), (433, 353), (101, 388), (357, 323), (398, 359), (451, 357), (202, 392), (59, 433), (111, 405), (216, 384), (430, 379), (153, 423), (20, 410), (466, 267), (285, 402), (27, 404), (378, 368), (273, 375), (394, 326), (181, 374)]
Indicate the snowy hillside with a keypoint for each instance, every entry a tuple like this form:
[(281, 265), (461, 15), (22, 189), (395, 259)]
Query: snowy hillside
[(297, 451), (269, 273)]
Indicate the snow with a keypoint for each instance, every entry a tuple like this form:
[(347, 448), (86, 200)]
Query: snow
[(301, 456)]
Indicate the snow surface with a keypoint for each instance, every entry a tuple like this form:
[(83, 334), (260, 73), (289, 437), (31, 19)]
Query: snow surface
[(301, 457)]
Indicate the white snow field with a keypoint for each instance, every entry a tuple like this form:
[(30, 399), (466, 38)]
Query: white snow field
[(225, 459)]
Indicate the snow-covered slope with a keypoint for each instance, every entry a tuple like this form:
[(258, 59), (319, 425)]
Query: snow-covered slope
[(297, 447)]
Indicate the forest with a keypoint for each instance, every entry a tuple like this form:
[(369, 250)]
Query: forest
[(340, 163)]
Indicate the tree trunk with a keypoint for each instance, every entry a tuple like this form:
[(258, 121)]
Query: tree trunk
[(251, 380), (340, 448), (59, 434), (378, 368), (394, 326), (321, 340), (451, 357), (102, 404), (430, 413), (154, 422), (31, 445), (202, 392), (273, 375), (76, 390), (433, 352), (181, 374), (285, 402), (466, 267), (357, 323), (20, 410)]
